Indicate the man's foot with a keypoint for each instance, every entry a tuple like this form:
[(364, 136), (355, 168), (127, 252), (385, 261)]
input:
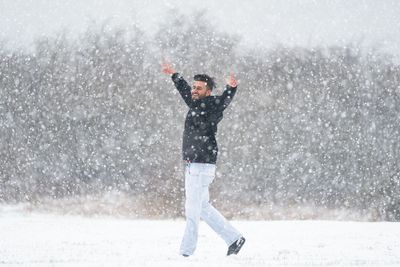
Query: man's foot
[(236, 246), (185, 255)]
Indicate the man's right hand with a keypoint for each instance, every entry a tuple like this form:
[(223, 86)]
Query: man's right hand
[(167, 68)]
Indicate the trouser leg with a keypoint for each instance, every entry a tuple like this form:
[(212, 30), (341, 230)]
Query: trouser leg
[(220, 224), (212, 216), (193, 197)]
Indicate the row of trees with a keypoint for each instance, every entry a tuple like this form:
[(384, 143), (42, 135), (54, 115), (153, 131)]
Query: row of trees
[(308, 126)]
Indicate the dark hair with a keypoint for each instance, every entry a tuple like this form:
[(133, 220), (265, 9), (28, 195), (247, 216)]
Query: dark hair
[(205, 78)]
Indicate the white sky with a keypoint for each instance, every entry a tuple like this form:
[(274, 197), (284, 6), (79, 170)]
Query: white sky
[(259, 22)]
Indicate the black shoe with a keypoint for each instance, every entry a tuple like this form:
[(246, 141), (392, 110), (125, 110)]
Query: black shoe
[(236, 246), (185, 255)]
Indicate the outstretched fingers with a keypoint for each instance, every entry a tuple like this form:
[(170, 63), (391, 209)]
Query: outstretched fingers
[(167, 68), (231, 81)]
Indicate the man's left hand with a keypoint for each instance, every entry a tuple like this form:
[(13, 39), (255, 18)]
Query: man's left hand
[(231, 81)]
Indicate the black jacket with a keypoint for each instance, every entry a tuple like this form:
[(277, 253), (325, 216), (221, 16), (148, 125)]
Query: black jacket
[(199, 143)]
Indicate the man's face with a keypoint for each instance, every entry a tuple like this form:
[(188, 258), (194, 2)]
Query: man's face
[(200, 90)]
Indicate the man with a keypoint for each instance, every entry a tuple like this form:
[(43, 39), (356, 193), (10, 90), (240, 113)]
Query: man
[(200, 155)]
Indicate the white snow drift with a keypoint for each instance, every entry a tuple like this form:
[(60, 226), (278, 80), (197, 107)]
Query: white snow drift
[(51, 240)]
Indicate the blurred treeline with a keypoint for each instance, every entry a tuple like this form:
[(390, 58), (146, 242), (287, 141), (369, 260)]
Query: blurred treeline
[(309, 126)]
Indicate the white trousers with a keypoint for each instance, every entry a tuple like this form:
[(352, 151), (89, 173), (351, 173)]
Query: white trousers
[(198, 177)]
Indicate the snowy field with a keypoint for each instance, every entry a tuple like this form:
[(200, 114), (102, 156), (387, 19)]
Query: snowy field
[(53, 240)]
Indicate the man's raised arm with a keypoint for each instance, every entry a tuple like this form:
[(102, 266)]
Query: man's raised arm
[(183, 87), (229, 92)]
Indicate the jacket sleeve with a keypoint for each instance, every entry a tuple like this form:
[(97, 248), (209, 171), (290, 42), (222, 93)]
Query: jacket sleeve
[(226, 98), (183, 87)]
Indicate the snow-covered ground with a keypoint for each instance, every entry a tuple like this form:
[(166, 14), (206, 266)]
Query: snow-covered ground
[(28, 239)]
